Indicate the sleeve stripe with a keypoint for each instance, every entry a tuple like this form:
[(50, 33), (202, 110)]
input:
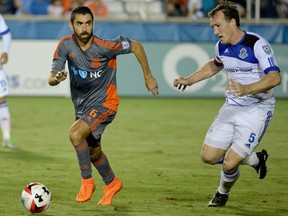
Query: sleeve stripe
[(217, 61), (271, 61), (108, 44), (5, 32)]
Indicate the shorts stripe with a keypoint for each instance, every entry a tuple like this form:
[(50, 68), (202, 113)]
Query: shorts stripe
[(102, 118), (268, 119)]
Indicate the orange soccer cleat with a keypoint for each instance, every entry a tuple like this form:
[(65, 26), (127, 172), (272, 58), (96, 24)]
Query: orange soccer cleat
[(110, 191), (86, 190)]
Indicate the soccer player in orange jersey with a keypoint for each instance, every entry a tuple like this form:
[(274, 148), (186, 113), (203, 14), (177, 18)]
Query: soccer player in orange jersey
[(92, 71)]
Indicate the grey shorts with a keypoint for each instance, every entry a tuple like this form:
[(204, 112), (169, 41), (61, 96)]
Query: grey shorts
[(97, 119)]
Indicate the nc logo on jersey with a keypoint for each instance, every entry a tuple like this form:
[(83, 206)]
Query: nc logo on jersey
[(86, 74), (266, 49), (243, 53)]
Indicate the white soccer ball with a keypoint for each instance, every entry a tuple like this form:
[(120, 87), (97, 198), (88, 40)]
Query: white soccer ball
[(36, 197)]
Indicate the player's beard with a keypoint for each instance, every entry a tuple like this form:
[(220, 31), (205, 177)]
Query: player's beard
[(84, 37)]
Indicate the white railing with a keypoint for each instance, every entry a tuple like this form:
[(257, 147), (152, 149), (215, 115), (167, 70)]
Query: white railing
[(249, 9)]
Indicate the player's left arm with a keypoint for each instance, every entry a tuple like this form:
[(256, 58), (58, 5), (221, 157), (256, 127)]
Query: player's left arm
[(4, 58), (150, 80), (267, 62), (268, 82), (7, 38)]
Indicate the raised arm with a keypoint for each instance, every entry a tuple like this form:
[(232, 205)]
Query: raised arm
[(140, 54)]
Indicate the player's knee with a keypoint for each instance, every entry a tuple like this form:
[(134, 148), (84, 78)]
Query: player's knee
[(79, 131), (75, 136), (229, 166), (208, 159), (95, 154)]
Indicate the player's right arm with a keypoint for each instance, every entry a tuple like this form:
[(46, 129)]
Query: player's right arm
[(58, 74), (56, 78), (140, 54), (206, 71)]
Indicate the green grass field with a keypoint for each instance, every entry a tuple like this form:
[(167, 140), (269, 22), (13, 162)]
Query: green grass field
[(153, 146)]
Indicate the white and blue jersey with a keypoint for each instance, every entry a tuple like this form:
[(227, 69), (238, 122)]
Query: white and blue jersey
[(5, 34), (247, 62), (6, 40)]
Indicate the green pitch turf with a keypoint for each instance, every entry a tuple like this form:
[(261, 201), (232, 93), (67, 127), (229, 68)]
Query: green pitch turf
[(153, 146)]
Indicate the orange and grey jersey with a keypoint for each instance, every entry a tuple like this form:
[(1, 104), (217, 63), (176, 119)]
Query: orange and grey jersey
[(92, 71)]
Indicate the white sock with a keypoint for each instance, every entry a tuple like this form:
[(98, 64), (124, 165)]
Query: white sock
[(251, 160), (227, 181), (5, 120)]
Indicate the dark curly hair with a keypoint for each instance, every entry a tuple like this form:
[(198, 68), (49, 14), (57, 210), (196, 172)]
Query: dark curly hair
[(80, 10)]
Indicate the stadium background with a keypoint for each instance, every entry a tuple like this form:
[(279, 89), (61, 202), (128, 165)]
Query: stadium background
[(173, 47)]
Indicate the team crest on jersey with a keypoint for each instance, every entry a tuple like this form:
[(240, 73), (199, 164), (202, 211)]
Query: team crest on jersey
[(243, 53), (125, 44), (266, 49)]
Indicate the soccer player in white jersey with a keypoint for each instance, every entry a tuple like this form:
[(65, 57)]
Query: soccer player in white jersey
[(4, 110), (243, 119)]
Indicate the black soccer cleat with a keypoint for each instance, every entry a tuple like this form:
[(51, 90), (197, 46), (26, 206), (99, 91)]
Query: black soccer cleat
[(218, 200), (261, 168)]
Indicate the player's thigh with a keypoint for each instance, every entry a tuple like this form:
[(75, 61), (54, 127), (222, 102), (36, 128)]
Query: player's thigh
[(251, 125), (221, 132)]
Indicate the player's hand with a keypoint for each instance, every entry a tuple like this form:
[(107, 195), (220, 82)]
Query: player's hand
[(4, 58), (236, 89), (151, 85), (60, 76), (181, 83)]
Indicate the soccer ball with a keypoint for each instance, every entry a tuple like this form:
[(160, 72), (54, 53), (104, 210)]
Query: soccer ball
[(36, 197)]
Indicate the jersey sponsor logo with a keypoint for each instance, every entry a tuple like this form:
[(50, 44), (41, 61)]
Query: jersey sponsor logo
[(85, 74), (125, 44), (243, 53), (235, 70), (267, 49)]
